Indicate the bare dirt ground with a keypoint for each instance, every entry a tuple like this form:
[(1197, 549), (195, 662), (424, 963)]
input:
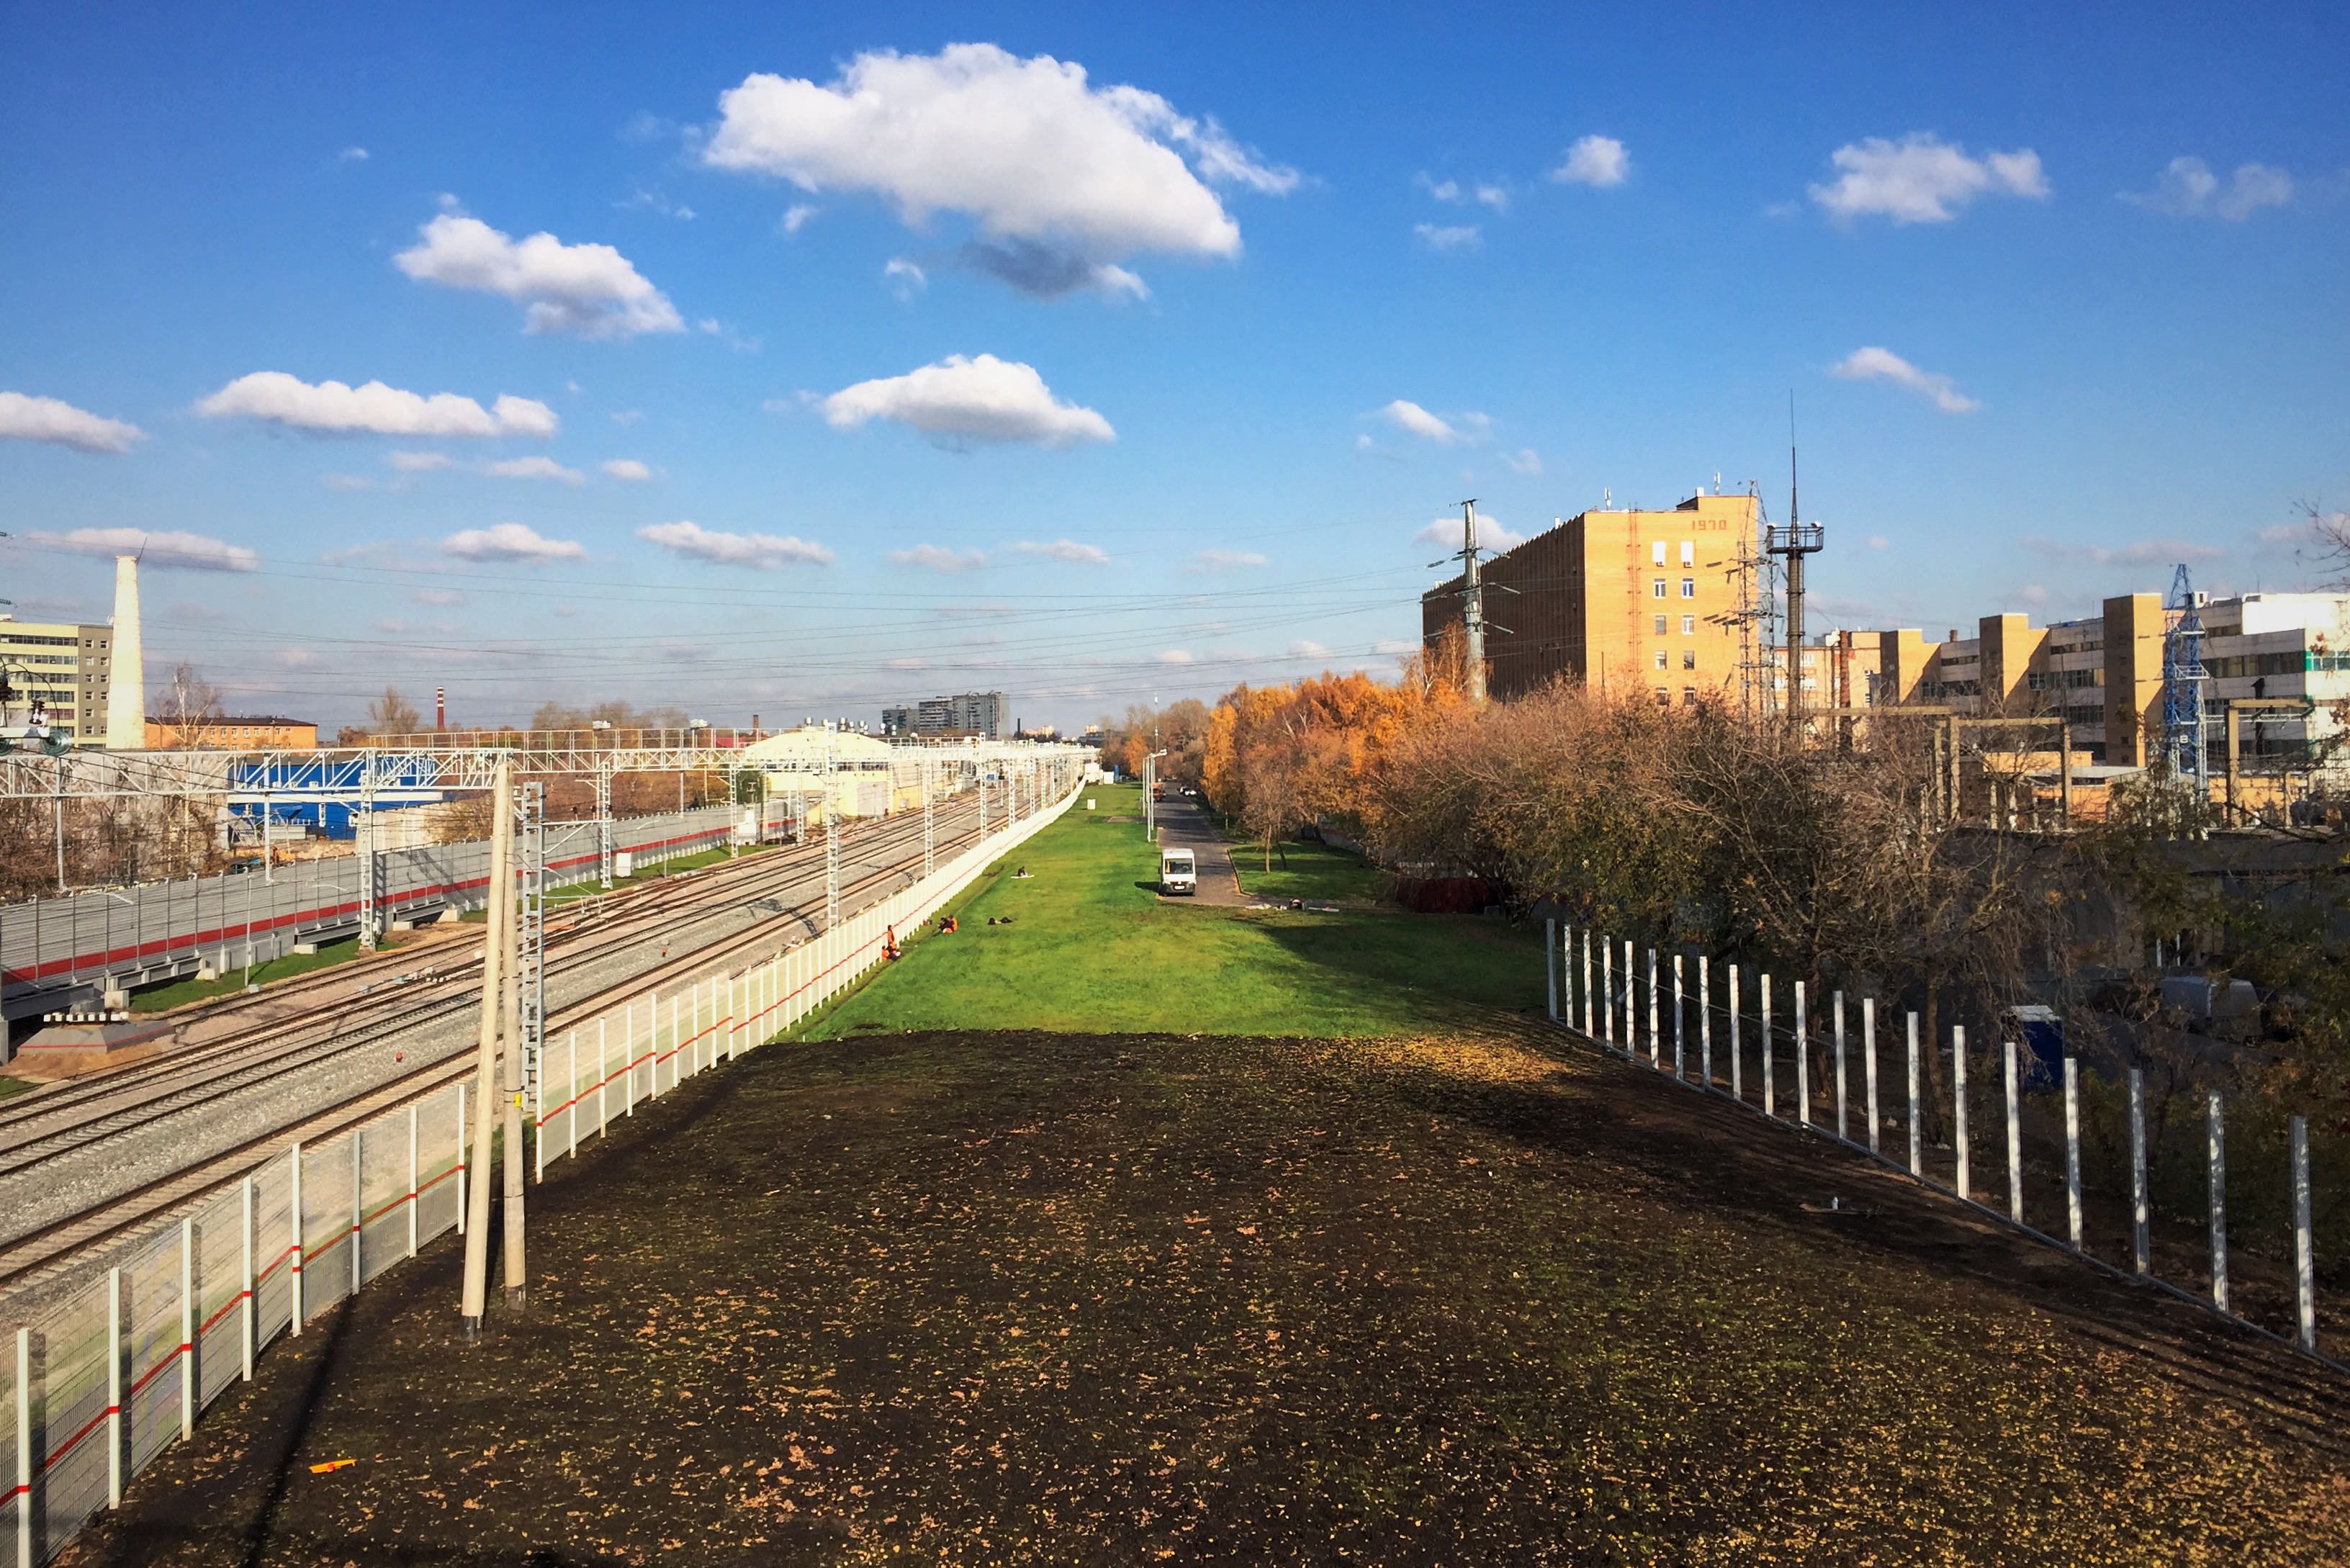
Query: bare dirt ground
[(1051, 1298)]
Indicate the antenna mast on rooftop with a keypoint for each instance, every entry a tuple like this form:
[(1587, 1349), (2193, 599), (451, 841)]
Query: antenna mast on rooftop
[(1472, 602), (1796, 541)]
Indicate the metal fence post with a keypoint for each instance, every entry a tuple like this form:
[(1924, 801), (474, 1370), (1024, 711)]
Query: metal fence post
[(1608, 988), (1705, 1019), (24, 1448), (1588, 1019), (1550, 962), (1917, 1150), (461, 1157), (603, 1075), (1803, 1061), (358, 1213), (413, 1109), (1769, 1068), (1868, 1063), (245, 1280), (2138, 1216), (294, 1224), (1652, 1008), (1839, 1008), (1631, 1007), (2014, 1139), (571, 1099), (2073, 1150), (187, 1328), (1679, 1071), (1737, 1053), (1958, 1104), (2216, 1143), (114, 1388), (2304, 1255)]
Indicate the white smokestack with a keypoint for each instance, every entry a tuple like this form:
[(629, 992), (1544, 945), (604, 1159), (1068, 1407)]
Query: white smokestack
[(126, 699)]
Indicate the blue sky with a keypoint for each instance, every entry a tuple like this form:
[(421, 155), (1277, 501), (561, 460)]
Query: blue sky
[(1593, 252)]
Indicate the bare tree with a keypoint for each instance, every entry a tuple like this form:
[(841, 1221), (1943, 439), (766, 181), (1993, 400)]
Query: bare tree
[(190, 704), (391, 714)]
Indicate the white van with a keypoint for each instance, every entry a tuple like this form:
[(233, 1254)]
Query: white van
[(1177, 873)]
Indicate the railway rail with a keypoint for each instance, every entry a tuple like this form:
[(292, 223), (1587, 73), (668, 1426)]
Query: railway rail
[(137, 1101)]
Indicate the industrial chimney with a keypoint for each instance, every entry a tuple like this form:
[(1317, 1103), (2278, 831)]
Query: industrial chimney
[(126, 698)]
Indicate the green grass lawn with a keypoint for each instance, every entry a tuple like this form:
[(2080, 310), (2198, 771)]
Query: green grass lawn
[(1090, 948), (1316, 872), (12, 1086)]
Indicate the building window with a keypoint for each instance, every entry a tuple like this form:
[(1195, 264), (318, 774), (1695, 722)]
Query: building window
[(1664, 697), (1657, 552), (1661, 659), (1689, 552), (1688, 626), (1689, 694), (1658, 589), (1688, 587), (1660, 626), (1689, 658)]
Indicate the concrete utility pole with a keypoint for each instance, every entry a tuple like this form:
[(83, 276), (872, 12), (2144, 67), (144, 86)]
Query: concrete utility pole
[(510, 1228), (494, 947), (1472, 602), (1796, 541)]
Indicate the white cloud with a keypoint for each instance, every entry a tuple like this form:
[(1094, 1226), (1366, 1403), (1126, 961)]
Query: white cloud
[(905, 278), (1448, 236), (533, 467), (1395, 645), (1039, 158), (511, 542), (347, 482), (193, 552), (1444, 429), (375, 407), (796, 216), (1526, 459), (26, 418), (1226, 560), (439, 597), (1491, 193), (2033, 594), (982, 398), (1445, 532), (352, 155), (766, 552), (657, 202), (1175, 656), (627, 468), (1875, 364), (2188, 189), (1598, 160), (419, 462), (1880, 542), (629, 416), (1306, 649), (1064, 550), (938, 558), (1921, 178), (588, 289)]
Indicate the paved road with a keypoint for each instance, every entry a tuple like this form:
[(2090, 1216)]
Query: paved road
[(1183, 824)]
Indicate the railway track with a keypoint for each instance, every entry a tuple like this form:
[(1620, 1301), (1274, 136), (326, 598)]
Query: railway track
[(58, 1123), (39, 1252)]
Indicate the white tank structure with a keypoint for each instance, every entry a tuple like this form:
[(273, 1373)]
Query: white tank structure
[(126, 698)]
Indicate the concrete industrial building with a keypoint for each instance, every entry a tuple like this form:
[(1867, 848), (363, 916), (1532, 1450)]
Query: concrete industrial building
[(230, 732), (2104, 673), (980, 713), (1618, 600), (64, 669)]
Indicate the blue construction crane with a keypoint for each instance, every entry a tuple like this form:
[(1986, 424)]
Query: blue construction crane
[(2182, 687)]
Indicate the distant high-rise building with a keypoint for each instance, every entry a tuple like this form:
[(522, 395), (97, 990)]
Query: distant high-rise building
[(64, 669), (967, 713), (1625, 600)]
